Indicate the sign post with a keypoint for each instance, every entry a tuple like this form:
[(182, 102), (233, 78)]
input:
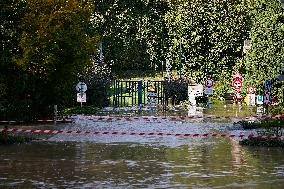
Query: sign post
[(267, 94), (208, 90), (193, 91), (237, 84), (81, 87)]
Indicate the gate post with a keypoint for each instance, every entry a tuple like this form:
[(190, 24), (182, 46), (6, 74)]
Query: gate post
[(140, 92)]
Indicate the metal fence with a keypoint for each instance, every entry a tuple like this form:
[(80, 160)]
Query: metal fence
[(131, 93)]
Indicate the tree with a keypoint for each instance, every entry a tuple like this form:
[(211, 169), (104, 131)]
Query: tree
[(11, 80), (264, 59), (211, 34), (132, 32), (56, 43)]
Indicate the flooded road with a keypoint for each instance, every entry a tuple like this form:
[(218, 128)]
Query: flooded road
[(125, 161)]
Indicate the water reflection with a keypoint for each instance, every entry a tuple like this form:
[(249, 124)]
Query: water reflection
[(218, 163)]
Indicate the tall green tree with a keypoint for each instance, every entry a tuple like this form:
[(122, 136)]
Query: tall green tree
[(11, 77), (57, 42), (265, 57), (132, 33), (209, 34)]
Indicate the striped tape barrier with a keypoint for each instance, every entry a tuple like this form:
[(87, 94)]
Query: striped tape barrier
[(39, 121), (170, 118), (214, 135)]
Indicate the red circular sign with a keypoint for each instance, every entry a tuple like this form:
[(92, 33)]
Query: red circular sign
[(250, 89), (208, 83), (237, 84)]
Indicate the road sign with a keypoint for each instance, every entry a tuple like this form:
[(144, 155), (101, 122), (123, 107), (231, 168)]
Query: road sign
[(259, 109), (151, 94), (237, 75), (208, 83), (208, 91), (251, 99), (280, 77), (259, 99), (267, 85), (81, 87), (152, 100), (266, 98), (195, 90), (237, 84), (250, 89), (81, 97), (238, 96)]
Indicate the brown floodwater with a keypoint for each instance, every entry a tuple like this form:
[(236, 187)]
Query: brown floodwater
[(111, 161)]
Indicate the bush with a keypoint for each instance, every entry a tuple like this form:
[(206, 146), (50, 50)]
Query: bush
[(262, 142), (11, 139), (80, 110)]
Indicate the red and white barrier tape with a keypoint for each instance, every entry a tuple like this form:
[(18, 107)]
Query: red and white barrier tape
[(214, 135), (278, 116), (170, 118), (40, 121)]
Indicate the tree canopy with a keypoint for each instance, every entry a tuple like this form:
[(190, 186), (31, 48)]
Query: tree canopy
[(46, 45)]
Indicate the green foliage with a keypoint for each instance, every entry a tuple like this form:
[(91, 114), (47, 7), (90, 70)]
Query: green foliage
[(211, 34), (132, 32), (47, 46), (262, 142), (176, 91), (277, 109), (12, 139), (80, 110), (270, 126), (264, 58)]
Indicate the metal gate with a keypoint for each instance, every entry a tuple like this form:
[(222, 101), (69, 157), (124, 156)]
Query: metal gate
[(133, 93)]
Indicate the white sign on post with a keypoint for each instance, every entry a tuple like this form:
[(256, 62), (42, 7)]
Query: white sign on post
[(152, 97), (251, 99), (81, 97), (195, 90)]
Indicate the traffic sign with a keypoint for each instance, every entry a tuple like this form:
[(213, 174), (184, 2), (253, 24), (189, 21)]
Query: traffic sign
[(250, 89), (81, 97), (237, 75), (238, 96), (267, 85), (195, 90), (266, 98), (81, 87), (208, 83), (259, 99), (251, 99), (280, 77), (208, 91), (152, 94), (237, 84)]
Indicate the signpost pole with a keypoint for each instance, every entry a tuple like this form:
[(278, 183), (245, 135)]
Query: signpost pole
[(55, 115)]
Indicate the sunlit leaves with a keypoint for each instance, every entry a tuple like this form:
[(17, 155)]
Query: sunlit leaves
[(264, 59), (55, 34)]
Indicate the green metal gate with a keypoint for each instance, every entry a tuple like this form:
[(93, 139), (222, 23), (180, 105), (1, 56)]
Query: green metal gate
[(133, 93)]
